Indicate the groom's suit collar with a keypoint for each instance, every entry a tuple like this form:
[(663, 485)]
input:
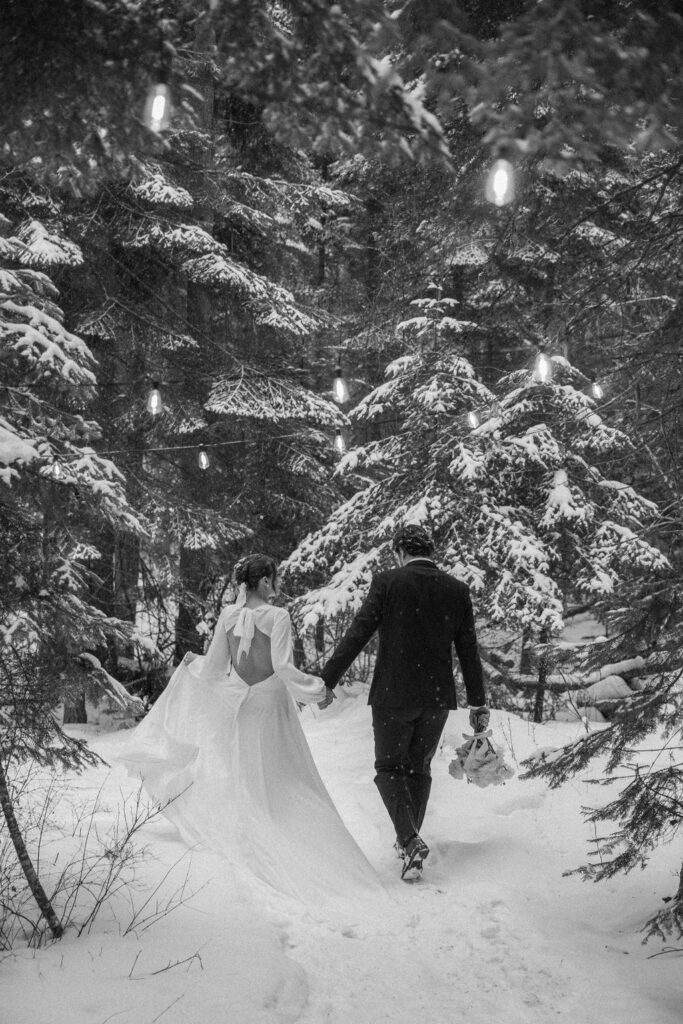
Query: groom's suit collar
[(420, 559)]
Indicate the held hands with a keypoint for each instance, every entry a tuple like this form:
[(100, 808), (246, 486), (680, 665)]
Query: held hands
[(479, 719), (327, 698)]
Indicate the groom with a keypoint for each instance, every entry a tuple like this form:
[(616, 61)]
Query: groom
[(419, 611)]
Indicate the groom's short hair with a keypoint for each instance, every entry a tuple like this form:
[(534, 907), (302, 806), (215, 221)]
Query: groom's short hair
[(414, 540)]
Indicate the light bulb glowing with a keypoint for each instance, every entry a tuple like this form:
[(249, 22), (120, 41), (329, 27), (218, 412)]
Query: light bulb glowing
[(57, 471), (203, 460), (154, 403), (543, 368), (500, 183), (340, 389), (473, 419), (597, 391), (339, 442), (158, 107)]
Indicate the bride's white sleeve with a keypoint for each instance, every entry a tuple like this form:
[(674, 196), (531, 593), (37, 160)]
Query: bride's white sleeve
[(303, 687), (214, 665)]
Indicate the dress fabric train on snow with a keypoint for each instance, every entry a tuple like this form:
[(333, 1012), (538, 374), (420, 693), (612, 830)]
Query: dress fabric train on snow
[(234, 761)]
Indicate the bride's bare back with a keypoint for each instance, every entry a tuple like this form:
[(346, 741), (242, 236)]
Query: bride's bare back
[(255, 665)]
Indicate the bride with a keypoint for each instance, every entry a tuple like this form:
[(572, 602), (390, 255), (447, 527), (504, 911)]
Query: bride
[(224, 745)]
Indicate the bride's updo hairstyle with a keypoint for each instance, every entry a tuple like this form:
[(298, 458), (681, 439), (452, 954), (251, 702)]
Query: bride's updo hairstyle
[(252, 569)]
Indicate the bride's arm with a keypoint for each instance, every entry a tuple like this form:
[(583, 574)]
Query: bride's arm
[(216, 662), (303, 687)]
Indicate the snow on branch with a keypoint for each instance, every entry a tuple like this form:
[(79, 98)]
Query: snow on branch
[(272, 305), (564, 504), (253, 396), (345, 591), (537, 446), (13, 449), (41, 341), (157, 189), (44, 248)]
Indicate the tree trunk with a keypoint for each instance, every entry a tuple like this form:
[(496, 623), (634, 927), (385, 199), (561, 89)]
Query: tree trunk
[(198, 314), (374, 210), (75, 709), (525, 653), (542, 678), (126, 571), (191, 576), (27, 867)]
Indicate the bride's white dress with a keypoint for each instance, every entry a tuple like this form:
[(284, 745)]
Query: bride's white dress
[(224, 744)]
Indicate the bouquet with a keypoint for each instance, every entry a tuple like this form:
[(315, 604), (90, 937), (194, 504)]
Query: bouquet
[(479, 761)]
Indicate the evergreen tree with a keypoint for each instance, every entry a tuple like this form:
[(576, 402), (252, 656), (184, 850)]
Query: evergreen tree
[(555, 78), (552, 527), (56, 493), (74, 79), (514, 490), (641, 747), (401, 474), (198, 312)]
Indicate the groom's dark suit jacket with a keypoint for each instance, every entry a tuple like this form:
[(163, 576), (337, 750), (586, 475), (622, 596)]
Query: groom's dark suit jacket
[(420, 612)]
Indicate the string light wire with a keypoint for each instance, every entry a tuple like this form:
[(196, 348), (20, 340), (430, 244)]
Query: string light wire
[(196, 446)]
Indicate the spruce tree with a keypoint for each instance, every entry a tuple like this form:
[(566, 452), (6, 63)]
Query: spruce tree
[(56, 492), (513, 486), (641, 747)]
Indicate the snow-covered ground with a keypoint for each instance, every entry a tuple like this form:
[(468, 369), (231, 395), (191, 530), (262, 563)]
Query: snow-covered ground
[(494, 934)]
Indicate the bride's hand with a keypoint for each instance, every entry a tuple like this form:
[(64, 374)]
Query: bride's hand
[(327, 698)]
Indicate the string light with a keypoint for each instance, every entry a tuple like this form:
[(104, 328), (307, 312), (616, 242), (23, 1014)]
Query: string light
[(543, 368), (56, 471), (340, 388), (473, 419), (339, 442), (203, 460), (597, 390), (154, 402), (157, 107), (500, 183)]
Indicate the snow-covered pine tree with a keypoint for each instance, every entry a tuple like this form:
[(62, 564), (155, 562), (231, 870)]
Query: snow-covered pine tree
[(641, 747), (204, 313), (55, 492), (252, 89), (307, 69), (418, 416), (553, 528), (520, 503)]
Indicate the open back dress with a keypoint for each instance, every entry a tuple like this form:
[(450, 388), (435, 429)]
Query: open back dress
[(224, 745)]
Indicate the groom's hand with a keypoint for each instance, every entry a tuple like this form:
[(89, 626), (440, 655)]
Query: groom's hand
[(327, 699), (479, 718)]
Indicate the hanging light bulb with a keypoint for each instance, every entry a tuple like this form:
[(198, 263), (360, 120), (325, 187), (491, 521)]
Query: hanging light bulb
[(203, 460), (473, 419), (500, 183), (597, 391), (340, 388), (154, 403), (157, 112), (543, 368), (56, 471), (339, 442)]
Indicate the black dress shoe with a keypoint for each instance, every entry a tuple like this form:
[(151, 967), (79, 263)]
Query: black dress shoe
[(416, 852)]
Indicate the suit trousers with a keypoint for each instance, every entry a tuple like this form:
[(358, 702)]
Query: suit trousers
[(406, 740)]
